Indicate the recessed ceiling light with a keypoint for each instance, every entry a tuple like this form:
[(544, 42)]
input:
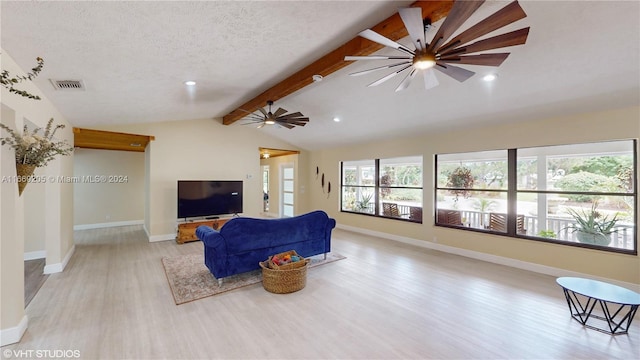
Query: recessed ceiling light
[(190, 82), (336, 119), (490, 77)]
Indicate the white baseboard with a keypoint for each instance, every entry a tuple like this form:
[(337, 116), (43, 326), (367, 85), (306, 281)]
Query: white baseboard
[(14, 334), (156, 238), (165, 237), (59, 267), (33, 255), (106, 225), (519, 264)]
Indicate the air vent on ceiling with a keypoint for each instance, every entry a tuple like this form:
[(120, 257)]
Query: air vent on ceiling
[(76, 85)]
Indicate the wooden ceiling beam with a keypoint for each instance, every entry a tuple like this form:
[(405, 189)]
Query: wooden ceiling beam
[(392, 28), (275, 152), (109, 140)]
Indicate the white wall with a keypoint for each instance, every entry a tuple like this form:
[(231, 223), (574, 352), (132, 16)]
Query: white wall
[(589, 127), (57, 202), (117, 202)]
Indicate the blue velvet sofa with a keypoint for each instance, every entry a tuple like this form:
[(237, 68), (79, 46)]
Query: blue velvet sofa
[(243, 242)]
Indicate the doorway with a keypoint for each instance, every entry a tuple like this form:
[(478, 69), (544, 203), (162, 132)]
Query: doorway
[(287, 190), (278, 168)]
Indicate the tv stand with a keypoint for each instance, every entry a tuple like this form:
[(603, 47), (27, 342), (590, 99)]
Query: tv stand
[(187, 230)]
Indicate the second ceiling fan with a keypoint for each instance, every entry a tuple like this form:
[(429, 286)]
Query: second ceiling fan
[(440, 54), (279, 117)]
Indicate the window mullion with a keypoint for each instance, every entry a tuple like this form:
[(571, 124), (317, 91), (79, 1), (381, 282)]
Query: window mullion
[(512, 194), (376, 191)]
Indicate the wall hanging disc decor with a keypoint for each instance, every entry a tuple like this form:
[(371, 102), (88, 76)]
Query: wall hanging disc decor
[(322, 182)]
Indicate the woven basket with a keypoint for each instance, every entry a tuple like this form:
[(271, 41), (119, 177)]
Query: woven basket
[(23, 171), (288, 266), (284, 281)]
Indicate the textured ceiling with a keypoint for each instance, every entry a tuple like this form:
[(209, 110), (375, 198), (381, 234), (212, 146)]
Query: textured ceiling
[(134, 57)]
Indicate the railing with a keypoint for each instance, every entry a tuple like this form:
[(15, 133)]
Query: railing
[(622, 238), (371, 208)]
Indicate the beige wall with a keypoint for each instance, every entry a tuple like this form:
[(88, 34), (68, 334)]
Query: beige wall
[(34, 228), (118, 201), (11, 237), (609, 125), (57, 202), (196, 150)]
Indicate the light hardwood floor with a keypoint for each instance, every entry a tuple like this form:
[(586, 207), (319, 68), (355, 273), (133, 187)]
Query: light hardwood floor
[(385, 301), (34, 277)]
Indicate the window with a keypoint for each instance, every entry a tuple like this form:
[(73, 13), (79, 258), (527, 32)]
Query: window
[(389, 188), (580, 195)]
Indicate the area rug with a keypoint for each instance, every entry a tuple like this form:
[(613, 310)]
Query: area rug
[(189, 279)]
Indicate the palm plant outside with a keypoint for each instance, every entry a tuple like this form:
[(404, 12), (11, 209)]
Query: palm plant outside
[(483, 205)]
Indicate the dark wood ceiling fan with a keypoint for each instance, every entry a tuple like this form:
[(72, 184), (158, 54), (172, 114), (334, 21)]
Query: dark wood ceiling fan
[(279, 117), (441, 52)]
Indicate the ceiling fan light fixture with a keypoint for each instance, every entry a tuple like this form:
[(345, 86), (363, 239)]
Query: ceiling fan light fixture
[(269, 121), (424, 61)]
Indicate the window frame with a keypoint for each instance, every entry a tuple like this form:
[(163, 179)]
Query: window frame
[(512, 192), (376, 190)]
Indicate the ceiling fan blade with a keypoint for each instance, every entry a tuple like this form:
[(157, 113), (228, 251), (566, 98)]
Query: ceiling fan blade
[(430, 80), (279, 112), (358, 73), (375, 37), (260, 126), (377, 57), (460, 12), (513, 38), (254, 117), (263, 111), (407, 80), (296, 120), (503, 17), (296, 123), (292, 115), (285, 125), (412, 19), (455, 72), (380, 81), (482, 59)]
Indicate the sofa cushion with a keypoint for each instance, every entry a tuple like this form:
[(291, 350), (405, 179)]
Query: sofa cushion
[(249, 234)]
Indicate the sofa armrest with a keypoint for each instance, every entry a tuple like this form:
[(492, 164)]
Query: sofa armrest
[(211, 238)]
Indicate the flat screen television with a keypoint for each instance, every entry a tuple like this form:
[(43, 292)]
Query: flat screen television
[(209, 198)]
